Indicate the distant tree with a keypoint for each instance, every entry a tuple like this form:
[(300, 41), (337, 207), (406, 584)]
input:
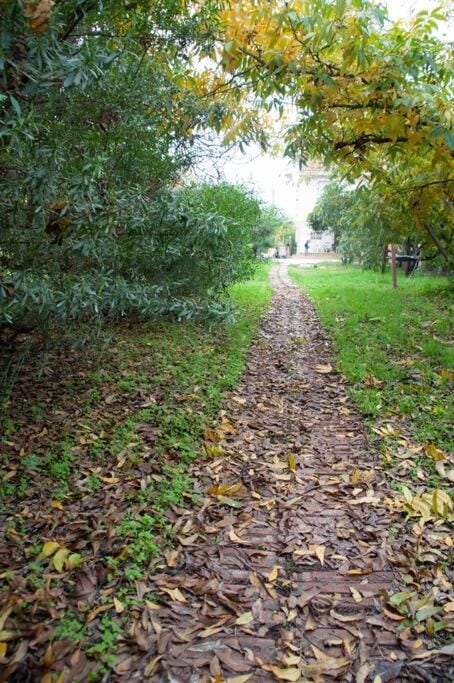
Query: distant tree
[(273, 229)]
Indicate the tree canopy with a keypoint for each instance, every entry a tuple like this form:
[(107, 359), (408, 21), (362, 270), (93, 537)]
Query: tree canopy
[(105, 107), (369, 97)]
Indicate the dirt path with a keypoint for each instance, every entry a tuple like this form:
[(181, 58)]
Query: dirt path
[(280, 575)]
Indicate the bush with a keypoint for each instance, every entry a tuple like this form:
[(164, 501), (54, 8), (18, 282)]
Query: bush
[(173, 255)]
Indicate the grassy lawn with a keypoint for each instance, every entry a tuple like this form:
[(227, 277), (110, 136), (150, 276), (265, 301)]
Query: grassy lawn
[(395, 348), (96, 447)]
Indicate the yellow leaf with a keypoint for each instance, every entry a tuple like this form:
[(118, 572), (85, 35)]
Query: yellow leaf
[(211, 435), (357, 597), (56, 504), (50, 548), (244, 619), (356, 476), (324, 369), (434, 452), (227, 427), (3, 649), (274, 573), (152, 605), (212, 450), (292, 462), (239, 679), (59, 558), (110, 480), (119, 607)]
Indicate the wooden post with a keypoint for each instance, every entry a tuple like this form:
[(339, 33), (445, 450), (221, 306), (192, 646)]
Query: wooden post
[(394, 266)]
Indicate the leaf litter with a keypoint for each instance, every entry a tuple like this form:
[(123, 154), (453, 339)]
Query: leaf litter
[(296, 563)]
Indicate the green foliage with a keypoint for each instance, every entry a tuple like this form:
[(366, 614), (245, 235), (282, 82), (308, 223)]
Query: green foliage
[(366, 218), (97, 130), (361, 227), (274, 229), (372, 99)]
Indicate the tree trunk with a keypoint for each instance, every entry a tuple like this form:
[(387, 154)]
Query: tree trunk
[(437, 243), (394, 266), (384, 258)]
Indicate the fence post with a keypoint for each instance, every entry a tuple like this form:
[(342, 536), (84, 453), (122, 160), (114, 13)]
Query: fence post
[(394, 266)]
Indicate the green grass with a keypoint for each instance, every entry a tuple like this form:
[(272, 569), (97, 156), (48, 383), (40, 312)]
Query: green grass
[(392, 345)]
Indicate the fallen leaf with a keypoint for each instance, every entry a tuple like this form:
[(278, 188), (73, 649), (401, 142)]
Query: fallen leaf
[(320, 553), (291, 462), (434, 452), (236, 539), (344, 617), (99, 610), (59, 558), (274, 573), (152, 605), (245, 618), (356, 476), (175, 594), (212, 450), (171, 558), (290, 674), (50, 548), (119, 607), (357, 597), (151, 666), (324, 369)]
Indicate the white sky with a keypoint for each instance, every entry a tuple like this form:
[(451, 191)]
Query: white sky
[(269, 176)]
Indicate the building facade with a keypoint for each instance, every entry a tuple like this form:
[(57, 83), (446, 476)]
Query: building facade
[(308, 184)]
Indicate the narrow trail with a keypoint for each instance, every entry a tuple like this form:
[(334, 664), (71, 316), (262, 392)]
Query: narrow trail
[(278, 569)]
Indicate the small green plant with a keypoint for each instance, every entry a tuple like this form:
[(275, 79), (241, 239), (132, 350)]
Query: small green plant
[(104, 648), (70, 628)]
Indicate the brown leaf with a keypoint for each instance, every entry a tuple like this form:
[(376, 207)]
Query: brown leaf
[(94, 613), (320, 553), (345, 617), (151, 666), (236, 539), (175, 594), (171, 557), (290, 674)]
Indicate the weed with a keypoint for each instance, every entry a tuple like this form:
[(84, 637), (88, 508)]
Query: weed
[(105, 647), (70, 628)]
